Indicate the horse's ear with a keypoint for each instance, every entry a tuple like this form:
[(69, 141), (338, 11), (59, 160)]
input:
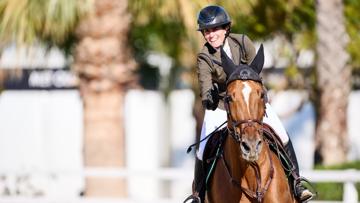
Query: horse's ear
[(258, 62), (227, 63)]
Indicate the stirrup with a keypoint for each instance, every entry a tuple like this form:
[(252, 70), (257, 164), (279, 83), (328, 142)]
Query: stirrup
[(308, 197), (195, 199)]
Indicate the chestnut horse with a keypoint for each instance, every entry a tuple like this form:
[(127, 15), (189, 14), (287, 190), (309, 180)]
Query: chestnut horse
[(247, 170)]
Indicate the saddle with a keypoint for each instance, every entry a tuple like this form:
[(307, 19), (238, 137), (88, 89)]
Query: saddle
[(214, 147)]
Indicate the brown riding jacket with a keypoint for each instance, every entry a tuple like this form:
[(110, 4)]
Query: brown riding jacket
[(209, 68)]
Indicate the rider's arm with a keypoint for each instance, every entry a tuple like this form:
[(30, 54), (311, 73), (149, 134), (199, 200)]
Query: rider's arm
[(208, 92)]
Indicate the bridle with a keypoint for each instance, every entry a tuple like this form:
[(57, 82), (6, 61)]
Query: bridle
[(243, 124), (248, 122)]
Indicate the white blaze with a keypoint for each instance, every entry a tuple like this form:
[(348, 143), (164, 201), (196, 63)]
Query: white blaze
[(246, 92)]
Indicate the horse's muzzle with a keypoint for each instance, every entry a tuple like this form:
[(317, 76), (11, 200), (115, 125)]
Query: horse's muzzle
[(251, 149)]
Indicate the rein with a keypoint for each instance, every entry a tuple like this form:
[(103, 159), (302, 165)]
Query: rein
[(201, 140)]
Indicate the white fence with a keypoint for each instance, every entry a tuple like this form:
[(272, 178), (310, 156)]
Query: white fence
[(348, 177)]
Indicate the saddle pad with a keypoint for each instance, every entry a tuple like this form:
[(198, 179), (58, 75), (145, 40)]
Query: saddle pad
[(213, 143)]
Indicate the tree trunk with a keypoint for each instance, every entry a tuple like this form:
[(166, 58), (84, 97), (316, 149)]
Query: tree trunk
[(333, 74), (105, 68)]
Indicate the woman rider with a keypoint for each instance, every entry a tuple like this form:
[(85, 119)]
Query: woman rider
[(214, 23)]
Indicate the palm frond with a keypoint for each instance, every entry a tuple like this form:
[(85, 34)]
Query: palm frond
[(25, 21)]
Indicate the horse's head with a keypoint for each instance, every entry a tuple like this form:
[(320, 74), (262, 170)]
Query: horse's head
[(245, 104)]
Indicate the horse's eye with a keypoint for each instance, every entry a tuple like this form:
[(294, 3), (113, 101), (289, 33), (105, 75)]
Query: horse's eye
[(228, 98), (262, 95)]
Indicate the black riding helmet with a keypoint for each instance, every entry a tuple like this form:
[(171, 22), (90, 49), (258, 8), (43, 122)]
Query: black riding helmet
[(212, 16)]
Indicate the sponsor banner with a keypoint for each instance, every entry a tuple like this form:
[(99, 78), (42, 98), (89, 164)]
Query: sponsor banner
[(33, 79)]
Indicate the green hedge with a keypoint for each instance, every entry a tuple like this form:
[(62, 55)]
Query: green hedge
[(334, 191)]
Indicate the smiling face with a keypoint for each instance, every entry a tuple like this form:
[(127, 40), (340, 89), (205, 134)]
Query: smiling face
[(215, 36)]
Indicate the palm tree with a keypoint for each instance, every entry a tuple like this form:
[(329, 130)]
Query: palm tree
[(102, 61), (334, 86), (104, 64)]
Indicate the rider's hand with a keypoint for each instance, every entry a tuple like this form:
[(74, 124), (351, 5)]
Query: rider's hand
[(212, 98)]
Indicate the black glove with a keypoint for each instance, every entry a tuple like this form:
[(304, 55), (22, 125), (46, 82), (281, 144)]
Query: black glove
[(212, 98)]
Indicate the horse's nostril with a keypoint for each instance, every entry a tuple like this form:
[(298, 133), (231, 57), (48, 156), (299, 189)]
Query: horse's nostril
[(258, 145), (245, 146)]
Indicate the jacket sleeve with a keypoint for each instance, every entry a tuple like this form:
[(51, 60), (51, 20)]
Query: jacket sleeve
[(204, 71)]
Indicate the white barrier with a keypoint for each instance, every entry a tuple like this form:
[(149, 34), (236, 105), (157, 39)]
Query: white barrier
[(348, 177)]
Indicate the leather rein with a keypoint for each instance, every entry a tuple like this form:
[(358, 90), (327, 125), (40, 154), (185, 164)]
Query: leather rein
[(260, 191)]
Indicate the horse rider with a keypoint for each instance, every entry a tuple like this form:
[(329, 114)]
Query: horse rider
[(214, 23)]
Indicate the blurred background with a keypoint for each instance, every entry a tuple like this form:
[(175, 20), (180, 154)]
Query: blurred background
[(99, 99)]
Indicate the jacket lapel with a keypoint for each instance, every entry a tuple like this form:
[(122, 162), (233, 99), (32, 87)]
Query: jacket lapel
[(217, 56)]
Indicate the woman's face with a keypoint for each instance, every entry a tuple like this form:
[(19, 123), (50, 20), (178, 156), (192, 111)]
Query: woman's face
[(215, 36)]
